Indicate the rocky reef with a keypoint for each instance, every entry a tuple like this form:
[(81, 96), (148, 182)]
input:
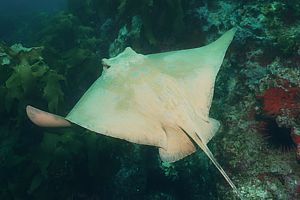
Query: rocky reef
[(257, 100)]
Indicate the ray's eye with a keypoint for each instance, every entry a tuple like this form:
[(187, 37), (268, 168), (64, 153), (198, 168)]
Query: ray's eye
[(105, 66)]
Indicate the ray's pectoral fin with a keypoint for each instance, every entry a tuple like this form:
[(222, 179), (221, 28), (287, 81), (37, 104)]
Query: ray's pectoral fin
[(45, 119), (178, 146)]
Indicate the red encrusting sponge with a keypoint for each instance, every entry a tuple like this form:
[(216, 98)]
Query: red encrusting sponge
[(277, 99)]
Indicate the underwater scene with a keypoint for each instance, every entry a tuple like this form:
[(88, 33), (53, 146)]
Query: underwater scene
[(149, 100)]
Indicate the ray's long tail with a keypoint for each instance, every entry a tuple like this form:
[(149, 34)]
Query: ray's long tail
[(218, 166)]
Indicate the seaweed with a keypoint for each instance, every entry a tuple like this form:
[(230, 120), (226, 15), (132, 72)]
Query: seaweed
[(52, 91), (29, 73)]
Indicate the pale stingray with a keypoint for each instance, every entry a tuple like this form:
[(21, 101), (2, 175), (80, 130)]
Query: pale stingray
[(159, 99)]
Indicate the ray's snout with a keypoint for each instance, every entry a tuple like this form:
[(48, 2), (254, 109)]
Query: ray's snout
[(45, 119)]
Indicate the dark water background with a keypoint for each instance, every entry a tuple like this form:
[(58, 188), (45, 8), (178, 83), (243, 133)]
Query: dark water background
[(21, 7), (17, 14)]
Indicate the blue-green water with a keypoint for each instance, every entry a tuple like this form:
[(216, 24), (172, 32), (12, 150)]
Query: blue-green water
[(19, 7)]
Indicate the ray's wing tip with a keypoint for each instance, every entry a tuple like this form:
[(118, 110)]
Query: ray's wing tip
[(233, 29), (28, 108), (30, 111), (45, 119), (34, 114), (230, 34)]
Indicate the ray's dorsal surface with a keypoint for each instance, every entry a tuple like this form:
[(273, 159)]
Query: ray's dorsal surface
[(160, 99)]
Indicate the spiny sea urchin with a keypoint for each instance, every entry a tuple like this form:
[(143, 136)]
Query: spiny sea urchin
[(277, 137)]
